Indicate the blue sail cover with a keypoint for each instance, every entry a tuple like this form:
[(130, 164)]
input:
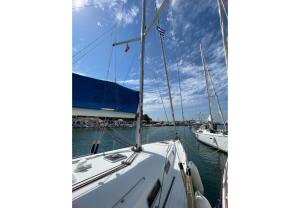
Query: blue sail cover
[(91, 93)]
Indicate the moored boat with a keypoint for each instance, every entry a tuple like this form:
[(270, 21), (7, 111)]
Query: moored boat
[(208, 132), (217, 140)]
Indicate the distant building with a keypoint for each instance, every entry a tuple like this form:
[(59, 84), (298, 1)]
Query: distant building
[(102, 99)]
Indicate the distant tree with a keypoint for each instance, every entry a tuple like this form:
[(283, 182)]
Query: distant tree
[(146, 118)]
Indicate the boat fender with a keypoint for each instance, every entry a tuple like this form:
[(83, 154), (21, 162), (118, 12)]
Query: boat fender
[(201, 201), (82, 165), (196, 179)]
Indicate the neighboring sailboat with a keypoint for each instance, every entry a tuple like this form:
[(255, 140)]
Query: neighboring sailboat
[(208, 132), (150, 175)]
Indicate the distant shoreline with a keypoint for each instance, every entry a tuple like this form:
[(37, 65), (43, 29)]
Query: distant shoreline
[(95, 122)]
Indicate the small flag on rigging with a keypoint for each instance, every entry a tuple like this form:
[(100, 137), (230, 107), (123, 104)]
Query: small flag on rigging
[(161, 31), (127, 47)]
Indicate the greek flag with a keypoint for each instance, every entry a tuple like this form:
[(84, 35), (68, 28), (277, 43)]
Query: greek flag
[(161, 31)]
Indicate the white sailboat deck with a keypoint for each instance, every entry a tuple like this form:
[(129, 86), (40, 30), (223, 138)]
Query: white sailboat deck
[(132, 185)]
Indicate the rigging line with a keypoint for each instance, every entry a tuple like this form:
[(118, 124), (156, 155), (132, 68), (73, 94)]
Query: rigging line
[(115, 57), (130, 65), (115, 67), (157, 90), (149, 135), (161, 98), (118, 139), (220, 113), (109, 60), (179, 85), (91, 49), (107, 73), (102, 34), (224, 9), (119, 135), (177, 66), (96, 39), (206, 81), (161, 139)]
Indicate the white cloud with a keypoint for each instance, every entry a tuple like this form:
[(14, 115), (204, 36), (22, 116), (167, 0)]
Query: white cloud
[(99, 24), (127, 17), (186, 27), (115, 9), (79, 4), (137, 82), (109, 4), (130, 81), (158, 3)]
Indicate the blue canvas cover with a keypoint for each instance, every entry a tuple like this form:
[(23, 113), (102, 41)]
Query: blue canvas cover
[(90, 93)]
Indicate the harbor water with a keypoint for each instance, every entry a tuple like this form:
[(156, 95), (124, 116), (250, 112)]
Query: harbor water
[(209, 161)]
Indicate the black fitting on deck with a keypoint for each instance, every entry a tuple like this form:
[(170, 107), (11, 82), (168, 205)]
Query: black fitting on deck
[(180, 166)]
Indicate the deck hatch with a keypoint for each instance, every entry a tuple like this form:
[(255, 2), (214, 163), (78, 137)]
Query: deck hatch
[(115, 157), (153, 194)]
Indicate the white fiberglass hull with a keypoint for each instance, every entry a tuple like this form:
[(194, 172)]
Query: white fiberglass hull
[(149, 178), (218, 141)]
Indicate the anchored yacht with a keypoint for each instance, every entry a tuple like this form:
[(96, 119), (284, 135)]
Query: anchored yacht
[(208, 132)]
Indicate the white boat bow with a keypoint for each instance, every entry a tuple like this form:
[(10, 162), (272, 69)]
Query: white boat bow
[(124, 178)]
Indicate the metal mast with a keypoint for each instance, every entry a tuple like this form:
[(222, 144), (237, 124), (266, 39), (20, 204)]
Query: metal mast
[(223, 34), (216, 97), (206, 81), (167, 77), (144, 32), (139, 122)]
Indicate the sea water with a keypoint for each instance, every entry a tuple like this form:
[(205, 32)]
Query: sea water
[(210, 162)]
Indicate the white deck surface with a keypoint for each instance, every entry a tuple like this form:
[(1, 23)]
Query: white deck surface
[(130, 186)]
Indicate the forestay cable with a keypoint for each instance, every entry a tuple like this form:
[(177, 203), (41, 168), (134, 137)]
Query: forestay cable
[(95, 40), (88, 51)]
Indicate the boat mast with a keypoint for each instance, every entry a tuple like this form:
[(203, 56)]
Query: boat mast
[(206, 81), (216, 97), (223, 34), (139, 122), (144, 32), (167, 77)]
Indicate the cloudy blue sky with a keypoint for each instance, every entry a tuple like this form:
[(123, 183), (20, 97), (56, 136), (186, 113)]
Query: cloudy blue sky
[(98, 23)]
